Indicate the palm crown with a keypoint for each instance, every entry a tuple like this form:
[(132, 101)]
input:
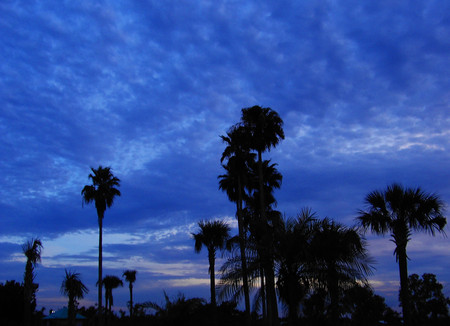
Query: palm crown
[(102, 191)]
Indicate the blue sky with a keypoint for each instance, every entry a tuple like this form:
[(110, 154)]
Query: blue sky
[(147, 87)]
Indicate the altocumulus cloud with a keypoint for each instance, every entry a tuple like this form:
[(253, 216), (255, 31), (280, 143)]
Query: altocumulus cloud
[(148, 87)]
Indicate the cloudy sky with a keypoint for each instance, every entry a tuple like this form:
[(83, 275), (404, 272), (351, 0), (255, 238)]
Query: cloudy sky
[(147, 88)]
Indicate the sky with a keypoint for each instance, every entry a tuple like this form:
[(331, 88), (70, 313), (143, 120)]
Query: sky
[(147, 88)]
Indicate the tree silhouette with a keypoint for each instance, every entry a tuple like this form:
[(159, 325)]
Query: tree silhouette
[(230, 286), (400, 211), (233, 183), (339, 260), (11, 303), (213, 235), (429, 306), (110, 282), (73, 288), (102, 192), (292, 255), (264, 129), (32, 250), (130, 277)]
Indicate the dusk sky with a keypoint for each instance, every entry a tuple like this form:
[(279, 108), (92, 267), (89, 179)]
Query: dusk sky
[(147, 88)]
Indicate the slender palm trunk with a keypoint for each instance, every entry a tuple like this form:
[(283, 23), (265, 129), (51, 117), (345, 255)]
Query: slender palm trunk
[(71, 310), (28, 285), (212, 276), (243, 256), (404, 296), (100, 278), (272, 308), (131, 300)]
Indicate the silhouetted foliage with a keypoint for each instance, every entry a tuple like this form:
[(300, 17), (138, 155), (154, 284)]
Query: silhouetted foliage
[(74, 289), (292, 256), (400, 211), (366, 308), (11, 303), (315, 308), (191, 312), (358, 305), (429, 306), (340, 259)]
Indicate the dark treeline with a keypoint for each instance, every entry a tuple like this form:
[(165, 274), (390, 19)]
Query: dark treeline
[(315, 269)]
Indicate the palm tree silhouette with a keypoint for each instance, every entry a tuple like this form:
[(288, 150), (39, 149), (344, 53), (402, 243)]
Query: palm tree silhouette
[(32, 250), (340, 259), (233, 183), (110, 282), (75, 289), (264, 129), (130, 277), (102, 192), (400, 211), (292, 256), (213, 235)]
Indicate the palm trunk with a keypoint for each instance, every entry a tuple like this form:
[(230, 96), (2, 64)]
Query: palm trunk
[(404, 296), (272, 308), (212, 257), (243, 256), (131, 300), (100, 262), (106, 306), (71, 310), (28, 285)]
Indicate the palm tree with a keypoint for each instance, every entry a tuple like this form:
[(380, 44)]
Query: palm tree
[(75, 289), (264, 129), (292, 255), (340, 259), (233, 183), (213, 235), (130, 277), (102, 192), (110, 282), (32, 250), (400, 211)]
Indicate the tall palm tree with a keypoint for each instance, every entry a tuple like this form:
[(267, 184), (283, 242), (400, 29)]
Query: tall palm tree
[(110, 282), (32, 250), (75, 289), (102, 192), (130, 277), (340, 259), (213, 235), (264, 129), (400, 211), (233, 183)]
